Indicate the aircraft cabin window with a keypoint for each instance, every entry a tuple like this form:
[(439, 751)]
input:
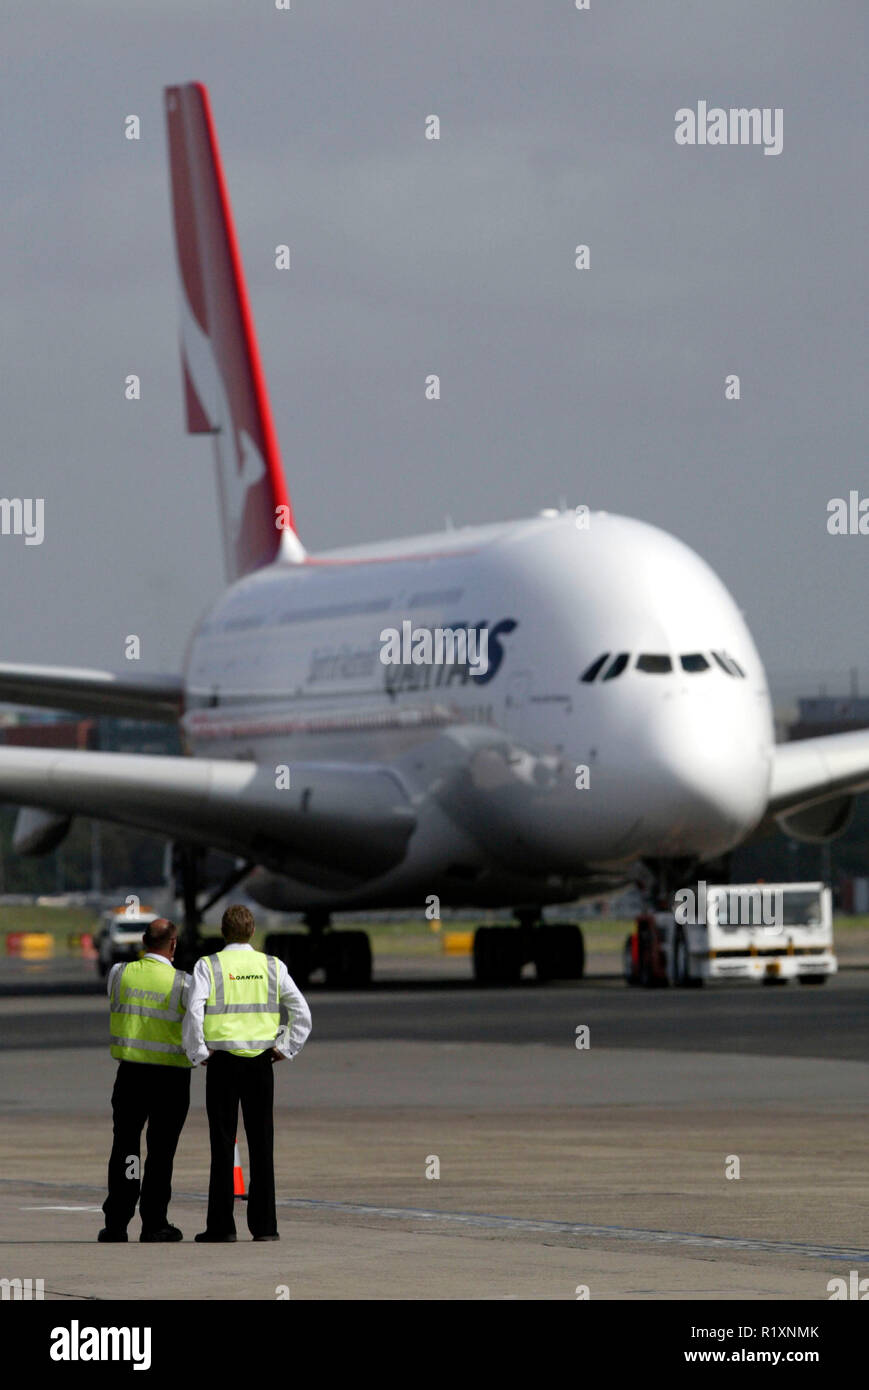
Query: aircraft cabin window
[(616, 667), (654, 664), (595, 667), (694, 661)]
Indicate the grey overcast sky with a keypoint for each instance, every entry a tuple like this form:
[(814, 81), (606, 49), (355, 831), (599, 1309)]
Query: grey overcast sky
[(411, 256)]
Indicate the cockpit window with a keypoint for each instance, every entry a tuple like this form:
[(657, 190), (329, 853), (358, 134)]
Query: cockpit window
[(616, 667), (694, 661), (660, 664), (595, 667), (656, 665), (728, 664)]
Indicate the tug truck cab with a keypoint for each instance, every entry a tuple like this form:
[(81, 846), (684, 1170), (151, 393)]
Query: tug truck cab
[(120, 936), (762, 932)]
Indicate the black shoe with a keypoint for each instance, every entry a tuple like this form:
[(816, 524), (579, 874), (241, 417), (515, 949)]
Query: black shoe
[(107, 1234), (162, 1233), (209, 1235), (274, 1237)]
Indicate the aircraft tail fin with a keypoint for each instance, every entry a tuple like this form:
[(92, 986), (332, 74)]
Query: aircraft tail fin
[(224, 386)]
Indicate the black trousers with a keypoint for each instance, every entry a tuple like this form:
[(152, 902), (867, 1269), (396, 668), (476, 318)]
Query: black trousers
[(250, 1080), (158, 1096)]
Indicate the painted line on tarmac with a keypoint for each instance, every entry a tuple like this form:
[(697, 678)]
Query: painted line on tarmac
[(484, 1221), (44, 1207), (520, 1223)]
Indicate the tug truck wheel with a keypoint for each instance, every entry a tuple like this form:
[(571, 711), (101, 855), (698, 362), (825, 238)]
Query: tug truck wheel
[(497, 955), (347, 957), (559, 951), (813, 979), (631, 977), (651, 965), (682, 964), (648, 977)]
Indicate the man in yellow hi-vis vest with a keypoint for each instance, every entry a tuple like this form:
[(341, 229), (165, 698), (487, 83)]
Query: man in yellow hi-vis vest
[(233, 1023), (152, 1086)]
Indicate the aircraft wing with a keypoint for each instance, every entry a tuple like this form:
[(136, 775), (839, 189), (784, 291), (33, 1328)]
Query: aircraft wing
[(336, 823), (92, 692), (810, 770)]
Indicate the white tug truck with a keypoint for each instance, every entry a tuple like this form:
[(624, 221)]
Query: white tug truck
[(119, 937), (763, 932)]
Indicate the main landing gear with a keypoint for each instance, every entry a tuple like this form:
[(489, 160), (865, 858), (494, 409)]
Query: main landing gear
[(343, 956), (557, 950)]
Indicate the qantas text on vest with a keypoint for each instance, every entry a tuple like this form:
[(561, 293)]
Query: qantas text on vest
[(76, 1343)]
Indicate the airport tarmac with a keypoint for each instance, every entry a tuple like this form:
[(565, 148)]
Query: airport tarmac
[(560, 1168)]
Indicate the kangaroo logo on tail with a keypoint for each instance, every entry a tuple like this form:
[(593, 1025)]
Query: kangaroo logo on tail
[(224, 386)]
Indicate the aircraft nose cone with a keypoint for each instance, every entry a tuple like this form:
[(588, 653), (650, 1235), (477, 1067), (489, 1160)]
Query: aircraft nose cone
[(712, 770)]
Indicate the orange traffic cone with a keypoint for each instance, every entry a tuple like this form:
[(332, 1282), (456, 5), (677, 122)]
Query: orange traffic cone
[(238, 1175)]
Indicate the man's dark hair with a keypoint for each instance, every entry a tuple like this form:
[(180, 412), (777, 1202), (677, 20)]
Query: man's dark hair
[(237, 923), (159, 933)]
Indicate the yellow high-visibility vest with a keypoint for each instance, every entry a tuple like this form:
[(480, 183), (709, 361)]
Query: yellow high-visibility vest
[(146, 1014), (242, 1013)]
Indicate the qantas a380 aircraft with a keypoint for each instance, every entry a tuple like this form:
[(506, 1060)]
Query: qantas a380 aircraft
[(622, 717)]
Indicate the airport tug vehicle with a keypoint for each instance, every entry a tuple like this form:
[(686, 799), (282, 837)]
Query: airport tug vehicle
[(120, 936), (762, 932)]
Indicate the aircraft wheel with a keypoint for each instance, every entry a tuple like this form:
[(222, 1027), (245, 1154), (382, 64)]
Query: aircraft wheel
[(294, 949), (559, 951), (348, 959), (497, 955)]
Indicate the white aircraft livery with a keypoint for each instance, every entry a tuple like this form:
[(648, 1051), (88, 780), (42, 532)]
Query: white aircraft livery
[(622, 717)]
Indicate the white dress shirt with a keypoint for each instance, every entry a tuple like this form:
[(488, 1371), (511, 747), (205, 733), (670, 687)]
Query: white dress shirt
[(291, 1036)]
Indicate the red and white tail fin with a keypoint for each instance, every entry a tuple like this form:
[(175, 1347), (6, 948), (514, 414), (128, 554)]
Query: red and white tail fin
[(224, 387)]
